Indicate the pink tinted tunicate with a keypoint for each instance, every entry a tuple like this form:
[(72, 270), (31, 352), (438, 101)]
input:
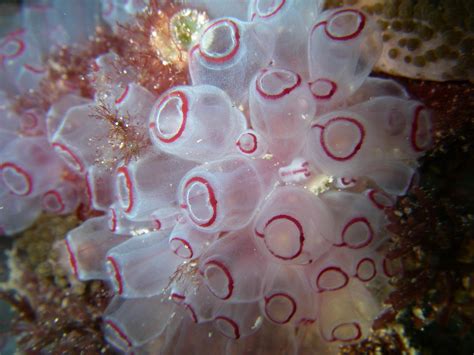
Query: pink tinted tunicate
[(258, 203)]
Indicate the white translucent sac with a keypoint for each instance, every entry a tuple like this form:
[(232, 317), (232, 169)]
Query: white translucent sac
[(99, 187), (74, 32), (346, 315), (237, 320), (252, 144), (33, 122), (228, 55), (404, 125), (187, 242), (334, 270), (358, 226), (184, 337), (116, 12), (22, 163), (222, 195), (134, 103), (72, 140), (125, 323), (343, 47), (281, 109), (288, 298), (16, 213), (293, 227), (62, 198), (118, 223), (9, 120), (197, 123), (140, 191), (132, 265), (22, 67), (233, 269), (379, 139), (290, 21), (86, 248), (44, 23), (195, 299), (283, 340), (58, 110)]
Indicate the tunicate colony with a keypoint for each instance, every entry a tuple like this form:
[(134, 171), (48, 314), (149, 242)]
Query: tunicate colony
[(260, 198)]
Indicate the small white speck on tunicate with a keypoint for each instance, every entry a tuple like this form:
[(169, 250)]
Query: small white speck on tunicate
[(257, 323), (140, 231)]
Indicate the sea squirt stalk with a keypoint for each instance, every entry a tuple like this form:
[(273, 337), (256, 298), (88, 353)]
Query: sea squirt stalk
[(257, 203)]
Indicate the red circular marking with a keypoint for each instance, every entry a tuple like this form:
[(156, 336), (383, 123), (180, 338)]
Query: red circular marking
[(349, 224), (251, 150), (123, 95), (19, 51), (259, 234), (386, 270), (117, 275), (186, 245), (72, 259), (327, 96), (372, 197), (58, 198), (113, 220), (232, 53), (212, 200), (22, 172), (359, 265), (335, 269), (65, 150), (33, 123), (119, 332), (414, 130), (289, 298), (233, 324), (270, 14), (184, 111), (306, 321), (230, 280), (191, 311), (128, 183), (345, 182), (357, 336), (356, 148), (350, 36), (33, 69), (157, 224), (177, 297), (108, 8), (301, 236), (284, 91), (316, 25)]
